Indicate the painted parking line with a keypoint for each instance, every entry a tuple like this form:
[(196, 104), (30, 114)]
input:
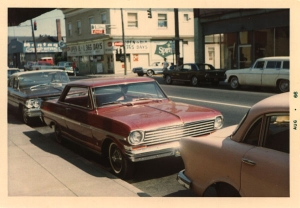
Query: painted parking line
[(205, 101)]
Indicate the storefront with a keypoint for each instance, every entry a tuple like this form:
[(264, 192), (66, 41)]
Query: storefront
[(236, 42), (106, 57)]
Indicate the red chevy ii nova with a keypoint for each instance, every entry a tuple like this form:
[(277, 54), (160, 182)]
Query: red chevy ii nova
[(126, 119)]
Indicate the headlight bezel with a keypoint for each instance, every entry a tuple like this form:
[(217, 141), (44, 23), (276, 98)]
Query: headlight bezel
[(33, 103), (136, 137), (219, 122)]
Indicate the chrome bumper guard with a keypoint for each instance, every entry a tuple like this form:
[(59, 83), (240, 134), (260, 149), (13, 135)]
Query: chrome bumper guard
[(153, 152), (183, 180)]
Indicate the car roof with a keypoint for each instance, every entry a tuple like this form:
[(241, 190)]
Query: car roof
[(37, 71), (277, 58), (97, 82), (274, 104)]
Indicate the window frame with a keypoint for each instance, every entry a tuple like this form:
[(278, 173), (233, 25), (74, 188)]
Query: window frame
[(162, 23), (129, 21), (70, 29), (79, 27)]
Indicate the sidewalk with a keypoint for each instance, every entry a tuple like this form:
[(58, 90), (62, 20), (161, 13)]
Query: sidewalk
[(37, 166)]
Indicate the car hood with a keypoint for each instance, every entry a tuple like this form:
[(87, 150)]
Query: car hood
[(150, 116), (42, 92)]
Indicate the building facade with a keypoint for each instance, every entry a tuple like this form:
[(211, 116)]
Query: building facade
[(95, 38), (235, 38)]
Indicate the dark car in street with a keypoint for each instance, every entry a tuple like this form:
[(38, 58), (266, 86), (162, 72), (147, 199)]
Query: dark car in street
[(193, 73), (127, 120), (27, 90)]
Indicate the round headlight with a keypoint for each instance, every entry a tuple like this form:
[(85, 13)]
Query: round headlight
[(33, 103), (219, 122), (135, 137)]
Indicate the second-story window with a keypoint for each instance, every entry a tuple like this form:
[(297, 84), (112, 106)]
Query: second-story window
[(103, 18), (79, 27), (69, 29), (162, 20), (132, 20), (91, 20)]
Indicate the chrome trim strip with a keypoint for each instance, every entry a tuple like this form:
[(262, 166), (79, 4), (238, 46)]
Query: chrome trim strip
[(183, 180)]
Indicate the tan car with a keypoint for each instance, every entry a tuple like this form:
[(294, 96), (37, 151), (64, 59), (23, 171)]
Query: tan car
[(250, 159)]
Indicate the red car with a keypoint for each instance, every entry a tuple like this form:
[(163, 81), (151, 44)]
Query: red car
[(126, 119)]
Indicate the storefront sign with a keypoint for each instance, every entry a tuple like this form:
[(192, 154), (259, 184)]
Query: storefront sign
[(87, 49), (132, 46), (164, 50), (28, 47), (98, 29)]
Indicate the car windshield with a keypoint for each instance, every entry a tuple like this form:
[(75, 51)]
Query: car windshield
[(155, 64), (42, 78), (127, 93)]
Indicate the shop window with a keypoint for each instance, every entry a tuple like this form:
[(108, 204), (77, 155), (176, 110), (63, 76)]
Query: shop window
[(162, 20), (132, 20)]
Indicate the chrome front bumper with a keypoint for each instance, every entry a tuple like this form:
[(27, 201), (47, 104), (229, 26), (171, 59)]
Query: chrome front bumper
[(33, 112), (153, 152), (184, 180)]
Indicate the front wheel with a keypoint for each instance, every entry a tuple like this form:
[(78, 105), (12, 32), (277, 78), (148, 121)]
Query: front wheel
[(284, 85), (234, 83), (120, 165), (140, 74), (58, 135), (168, 79), (150, 73), (24, 116)]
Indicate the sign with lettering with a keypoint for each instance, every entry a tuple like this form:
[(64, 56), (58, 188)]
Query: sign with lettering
[(98, 29), (164, 50), (28, 47), (132, 46), (86, 49)]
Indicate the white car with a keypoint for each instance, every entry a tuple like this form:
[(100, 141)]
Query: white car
[(267, 72), (154, 68)]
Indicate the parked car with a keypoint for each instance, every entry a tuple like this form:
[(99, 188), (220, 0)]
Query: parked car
[(66, 66), (28, 65), (250, 159), (26, 91), (154, 68), (193, 73), (127, 120), (265, 72), (11, 71), (42, 65)]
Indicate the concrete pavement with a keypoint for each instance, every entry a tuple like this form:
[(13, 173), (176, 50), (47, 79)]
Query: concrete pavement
[(37, 166)]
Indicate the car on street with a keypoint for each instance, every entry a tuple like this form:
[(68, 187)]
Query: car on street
[(28, 65), (127, 120), (153, 69), (27, 90), (11, 71), (250, 159), (67, 67), (265, 72), (194, 73)]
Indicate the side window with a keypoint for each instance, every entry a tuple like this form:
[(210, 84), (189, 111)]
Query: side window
[(273, 65), (259, 65), (278, 133), (78, 96), (187, 68), (286, 65), (194, 68), (252, 136)]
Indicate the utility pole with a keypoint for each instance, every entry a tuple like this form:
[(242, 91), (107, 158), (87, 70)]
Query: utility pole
[(34, 41), (123, 40), (176, 36)]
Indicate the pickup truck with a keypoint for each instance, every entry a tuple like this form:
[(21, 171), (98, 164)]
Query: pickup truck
[(154, 68), (194, 73)]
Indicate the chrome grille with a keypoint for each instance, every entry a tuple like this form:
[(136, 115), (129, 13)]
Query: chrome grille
[(174, 133)]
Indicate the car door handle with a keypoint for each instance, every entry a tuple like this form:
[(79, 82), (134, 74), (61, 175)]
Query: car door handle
[(248, 162)]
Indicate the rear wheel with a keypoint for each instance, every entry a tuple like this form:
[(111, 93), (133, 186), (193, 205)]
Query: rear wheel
[(120, 165), (194, 81), (234, 83), (169, 79), (283, 85), (226, 190), (150, 73)]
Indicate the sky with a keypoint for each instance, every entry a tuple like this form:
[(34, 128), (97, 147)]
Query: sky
[(46, 25)]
